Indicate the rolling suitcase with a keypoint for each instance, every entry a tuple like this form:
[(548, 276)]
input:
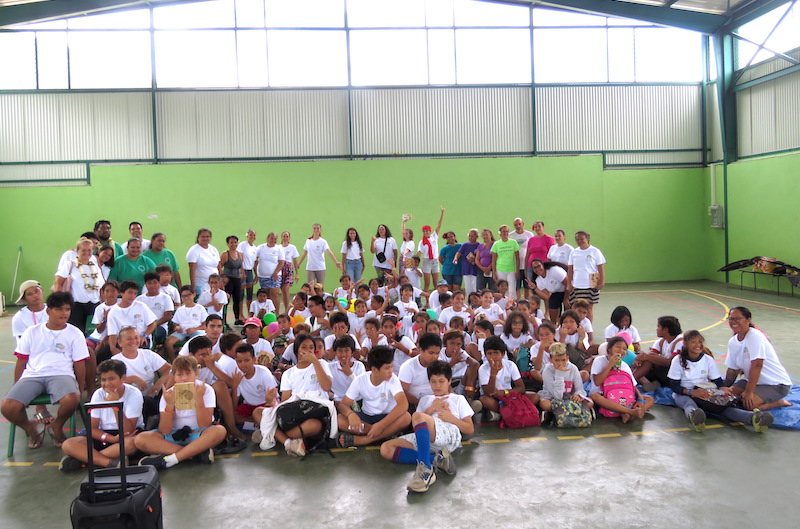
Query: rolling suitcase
[(116, 497)]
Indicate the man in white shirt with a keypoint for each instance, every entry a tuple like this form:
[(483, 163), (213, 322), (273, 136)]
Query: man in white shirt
[(521, 235)]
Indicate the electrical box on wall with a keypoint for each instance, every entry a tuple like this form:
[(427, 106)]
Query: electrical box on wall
[(717, 219)]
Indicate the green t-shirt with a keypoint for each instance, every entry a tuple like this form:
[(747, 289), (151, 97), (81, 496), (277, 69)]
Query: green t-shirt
[(163, 257), (505, 255), (125, 269), (117, 247)]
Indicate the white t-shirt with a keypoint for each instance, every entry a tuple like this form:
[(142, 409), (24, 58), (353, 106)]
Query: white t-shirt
[(522, 240), (189, 417), (356, 323), (226, 364), (458, 369), (98, 318), (416, 376), (50, 352), (703, 370), (268, 258), (755, 345), (132, 402), (256, 306), (423, 248), (599, 364), (612, 331), (137, 314), (248, 252), (390, 251), (366, 343), (407, 249), (504, 379), (586, 323), (299, 380), (144, 365), (25, 318), (513, 342), (79, 290), (448, 313), (332, 338), (205, 260), (205, 300), (535, 352), (173, 294), (262, 346), (585, 262), (290, 252), (158, 304), (457, 403), (414, 275), (400, 357), (572, 339), (403, 308), (559, 254), (339, 381), (433, 300), (188, 318), (214, 350), (355, 251), (667, 349), (316, 253), (554, 280), (494, 312), (375, 400), (145, 246), (253, 390)]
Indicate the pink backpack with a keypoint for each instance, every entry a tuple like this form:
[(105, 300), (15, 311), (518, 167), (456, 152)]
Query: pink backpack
[(518, 411), (618, 387)]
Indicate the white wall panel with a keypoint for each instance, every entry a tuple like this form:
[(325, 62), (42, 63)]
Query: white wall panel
[(75, 126), (771, 66), (451, 120), (596, 118), (768, 115), (653, 158), (43, 175), (252, 124), (713, 130)]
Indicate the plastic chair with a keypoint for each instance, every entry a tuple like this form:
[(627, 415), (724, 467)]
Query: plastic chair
[(12, 430)]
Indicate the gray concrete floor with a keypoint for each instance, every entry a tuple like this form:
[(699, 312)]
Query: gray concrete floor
[(652, 473)]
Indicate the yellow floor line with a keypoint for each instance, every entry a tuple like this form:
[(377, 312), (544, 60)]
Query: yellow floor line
[(673, 430), (533, 439), (466, 443), (648, 432), (495, 441), (795, 309), (18, 464), (373, 448), (710, 426), (51, 464), (605, 435), (337, 450), (737, 424), (570, 437), (226, 456), (261, 454)]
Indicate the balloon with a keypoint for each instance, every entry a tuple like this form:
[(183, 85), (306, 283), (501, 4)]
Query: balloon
[(625, 336), (432, 314), (352, 307), (269, 317), (298, 318), (265, 333), (273, 327), (629, 358), (343, 302)]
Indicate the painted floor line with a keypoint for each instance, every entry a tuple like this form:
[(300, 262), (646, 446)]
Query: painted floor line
[(570, 437), (607, 435), (648, 432), (495, 441), (533, 439), (773, 305)]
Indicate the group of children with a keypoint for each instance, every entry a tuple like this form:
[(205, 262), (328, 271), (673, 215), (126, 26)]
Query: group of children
[(363, 365)]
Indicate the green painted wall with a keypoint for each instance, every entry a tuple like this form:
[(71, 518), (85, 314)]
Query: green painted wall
[(651, 224)]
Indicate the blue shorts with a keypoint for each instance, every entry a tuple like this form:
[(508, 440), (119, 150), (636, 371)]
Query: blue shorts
[(453, 279), (371, 419), (183, 336), (268, 282), (194, 436)]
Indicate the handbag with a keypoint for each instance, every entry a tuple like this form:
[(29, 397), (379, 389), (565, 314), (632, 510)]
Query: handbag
[(570, 414), (66, 286), (381, 256), (718, 401)]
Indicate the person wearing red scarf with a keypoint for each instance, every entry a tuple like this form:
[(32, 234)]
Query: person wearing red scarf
[(428, 251)]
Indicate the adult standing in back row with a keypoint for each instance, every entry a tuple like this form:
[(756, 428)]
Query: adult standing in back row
[(586, 274), (384, 247), (521, 235), (315, 248), (505, 260), (203, 259), (538, 246)]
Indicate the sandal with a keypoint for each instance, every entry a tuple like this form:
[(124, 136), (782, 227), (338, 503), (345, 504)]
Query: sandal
[(36, 442), (345, 440), (56, 441), (44, 417)]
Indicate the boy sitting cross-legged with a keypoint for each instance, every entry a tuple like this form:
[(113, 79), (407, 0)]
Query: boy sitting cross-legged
[(384, 406), (183, 434), (439, 422), (105, 430)]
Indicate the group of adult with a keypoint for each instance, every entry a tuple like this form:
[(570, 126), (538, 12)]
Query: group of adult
[(529, 261)]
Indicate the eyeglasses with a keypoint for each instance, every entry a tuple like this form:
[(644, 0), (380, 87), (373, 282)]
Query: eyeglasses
[(736, 318), (187, 295)]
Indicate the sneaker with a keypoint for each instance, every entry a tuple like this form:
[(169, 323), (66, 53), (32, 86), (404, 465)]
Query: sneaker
[(444, 461), (493, 416), (257, 437), (206, 457), (762, 420), (154, 461), (69, 464), (422, 480), (545, 418), (295, 447), (476, 406), (698, 419), (238, 322), (114, 463)]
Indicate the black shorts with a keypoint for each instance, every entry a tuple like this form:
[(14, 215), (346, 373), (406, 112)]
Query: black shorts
[(556, 300)]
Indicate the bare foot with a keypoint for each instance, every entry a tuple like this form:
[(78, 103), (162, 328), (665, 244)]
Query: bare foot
[(625, 417), (772, 405)]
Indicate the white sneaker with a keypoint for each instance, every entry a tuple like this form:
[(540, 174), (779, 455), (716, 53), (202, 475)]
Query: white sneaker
[(423, 478), (494, 416), (444, 461), (295, 447), (257, 437)]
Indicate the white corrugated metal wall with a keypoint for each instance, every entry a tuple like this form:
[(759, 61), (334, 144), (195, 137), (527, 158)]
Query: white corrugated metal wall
[(768, 115)]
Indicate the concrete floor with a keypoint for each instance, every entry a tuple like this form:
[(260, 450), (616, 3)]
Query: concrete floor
[(652, 473)]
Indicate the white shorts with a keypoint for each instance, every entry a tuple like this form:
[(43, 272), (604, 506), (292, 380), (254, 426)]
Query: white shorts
[(447, 436), (430, 266)]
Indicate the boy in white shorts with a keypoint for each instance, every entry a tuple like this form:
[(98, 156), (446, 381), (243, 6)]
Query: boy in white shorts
[(437, 431)]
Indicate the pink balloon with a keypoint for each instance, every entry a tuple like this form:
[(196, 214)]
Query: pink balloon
[(625, 336), (273, 327)]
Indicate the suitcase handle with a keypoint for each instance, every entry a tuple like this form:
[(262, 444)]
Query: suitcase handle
[(87, 421)]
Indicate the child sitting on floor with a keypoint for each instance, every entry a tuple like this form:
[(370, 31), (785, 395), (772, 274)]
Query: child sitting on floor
[(253, 383), (613, 386), (384, 407), (439, 422), (344, 369), (561, 380), (183, 434), (499, 376)]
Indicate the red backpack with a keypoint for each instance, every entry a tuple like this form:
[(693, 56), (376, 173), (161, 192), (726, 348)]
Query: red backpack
[(518, 411)]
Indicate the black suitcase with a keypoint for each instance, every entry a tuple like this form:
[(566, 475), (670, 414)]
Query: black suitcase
[(116, 497)]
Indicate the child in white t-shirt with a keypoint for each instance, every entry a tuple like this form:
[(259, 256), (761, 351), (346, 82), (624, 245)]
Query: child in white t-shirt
[(165, 281), (188, 321), (373, 336), (183, 434), (384, 408), (602, 367), (109, 293), (158, 302), (457, 309), (622, 321), (439, 423), (214, 299), (493, 312), (142, 365), (130, 312), (414, 273), (252, 337), (345, 288), (253, 383), (581, 306), (261, 305), (499, 376), (344, 369)]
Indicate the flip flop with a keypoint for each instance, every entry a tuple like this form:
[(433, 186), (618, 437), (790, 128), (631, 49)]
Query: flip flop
[(44, 417), (38, 441), (56, 442), (345, 440)]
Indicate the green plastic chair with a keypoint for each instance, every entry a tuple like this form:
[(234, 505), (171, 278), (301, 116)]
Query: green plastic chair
[(12, 430)]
